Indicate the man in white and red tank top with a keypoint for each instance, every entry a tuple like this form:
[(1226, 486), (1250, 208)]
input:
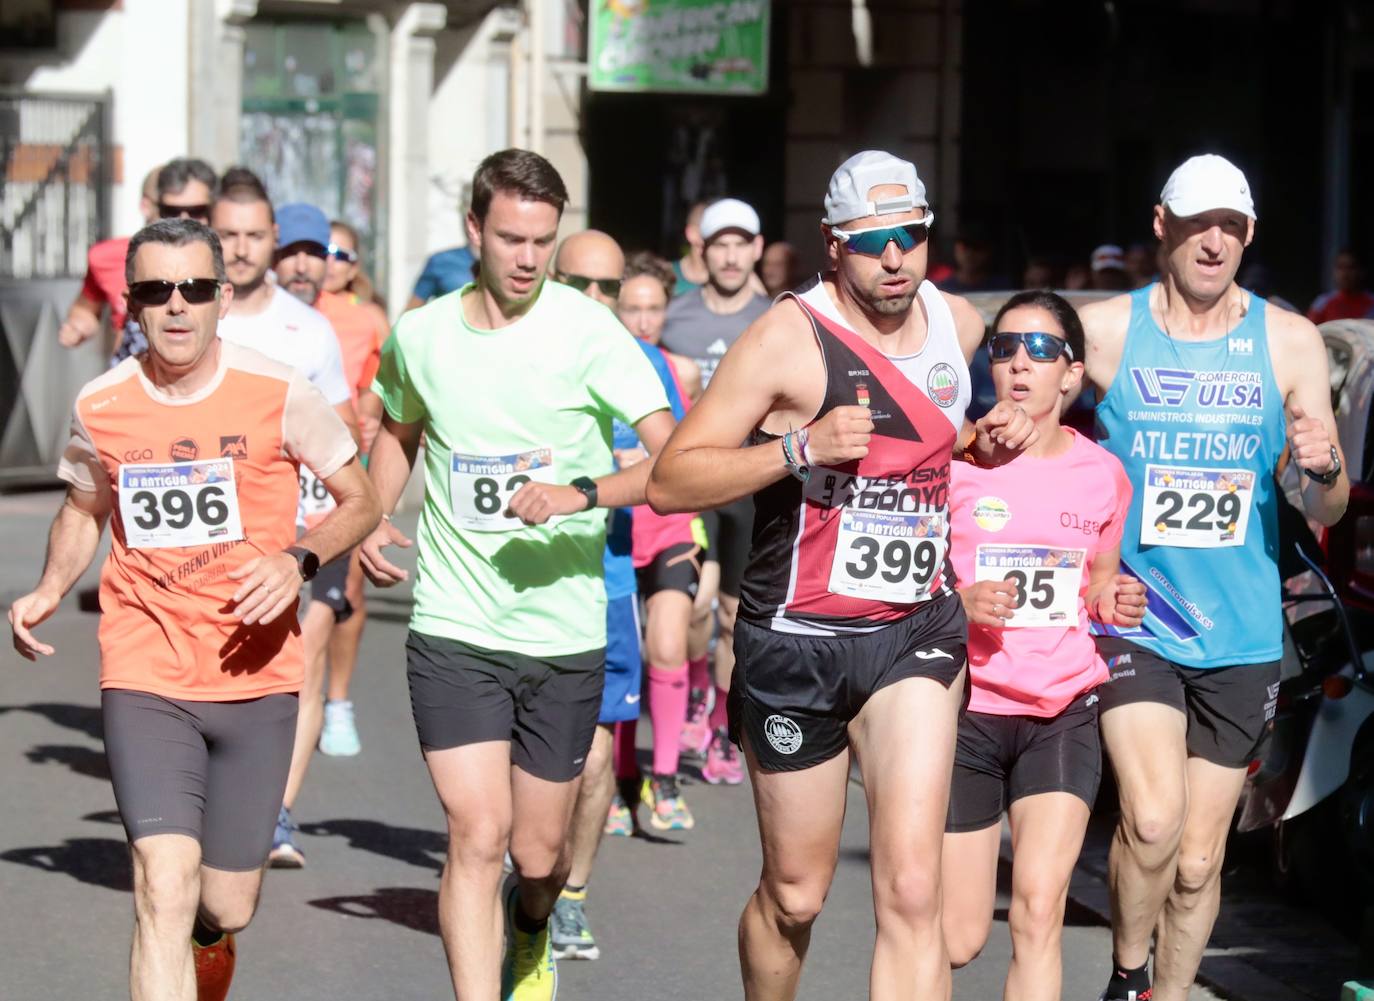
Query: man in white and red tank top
[(850, 634)]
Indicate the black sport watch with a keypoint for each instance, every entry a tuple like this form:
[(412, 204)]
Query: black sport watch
[(1329, 477), (306, 562), (587, 487)]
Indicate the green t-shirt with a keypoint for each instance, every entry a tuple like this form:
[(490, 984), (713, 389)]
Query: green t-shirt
[(532, 400)]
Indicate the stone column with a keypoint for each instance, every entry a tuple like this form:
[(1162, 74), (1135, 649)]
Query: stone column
[(410, 85), (216, 78)]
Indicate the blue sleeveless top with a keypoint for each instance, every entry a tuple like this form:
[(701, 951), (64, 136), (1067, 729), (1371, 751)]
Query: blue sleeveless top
[(1199, 427)]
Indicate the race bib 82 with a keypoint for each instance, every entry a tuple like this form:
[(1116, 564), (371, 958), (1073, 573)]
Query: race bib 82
[(481, 486)]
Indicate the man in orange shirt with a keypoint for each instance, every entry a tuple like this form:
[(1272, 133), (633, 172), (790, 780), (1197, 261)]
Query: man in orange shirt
[(193, 449)]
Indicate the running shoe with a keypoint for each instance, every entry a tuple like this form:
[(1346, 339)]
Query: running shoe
[(339, 737), (214, 968), (528, 972), (620, 823), (722, 761), (285, 854), (571, 935), (696, 732), (667, 809)]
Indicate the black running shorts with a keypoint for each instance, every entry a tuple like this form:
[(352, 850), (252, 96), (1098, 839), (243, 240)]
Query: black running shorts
[(546, 707), (677, 568), (1229, 709), (330, 586), (730, 530), (793, 696), (1000, 759), (214, 771)]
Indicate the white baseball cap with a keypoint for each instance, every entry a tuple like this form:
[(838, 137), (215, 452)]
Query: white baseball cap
[(1107, 257), (729, 213), (847, 196), (1207, 182)]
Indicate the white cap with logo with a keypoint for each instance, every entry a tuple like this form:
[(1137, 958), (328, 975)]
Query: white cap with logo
[(847, 196), (1207, 182), (729, 213)]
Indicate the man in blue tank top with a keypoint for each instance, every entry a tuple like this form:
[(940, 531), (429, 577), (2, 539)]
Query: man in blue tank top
[(1203, 385)]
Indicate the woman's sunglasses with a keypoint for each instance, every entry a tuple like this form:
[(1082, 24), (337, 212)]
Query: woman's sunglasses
[(336, 253), (196, 291), (1039, 345), (873, 242)]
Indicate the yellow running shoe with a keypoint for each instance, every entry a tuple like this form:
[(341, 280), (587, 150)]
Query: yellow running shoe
[(528, 972)]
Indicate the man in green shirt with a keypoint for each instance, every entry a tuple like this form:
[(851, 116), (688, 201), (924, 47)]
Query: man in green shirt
[(513, 381)]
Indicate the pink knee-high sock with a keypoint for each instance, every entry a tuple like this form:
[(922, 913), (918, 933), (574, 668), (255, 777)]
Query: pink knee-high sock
[(699, 673), (623, 750), (668, 710), (719, 717)]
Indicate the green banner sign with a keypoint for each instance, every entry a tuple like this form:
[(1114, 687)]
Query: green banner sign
[(679, 46)]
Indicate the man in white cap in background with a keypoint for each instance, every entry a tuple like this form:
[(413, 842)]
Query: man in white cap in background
[(701, 325), (850, 394), (1108, 264), (1204, 385)]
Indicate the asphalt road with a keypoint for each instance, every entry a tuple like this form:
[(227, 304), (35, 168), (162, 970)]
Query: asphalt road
[(359, 921)]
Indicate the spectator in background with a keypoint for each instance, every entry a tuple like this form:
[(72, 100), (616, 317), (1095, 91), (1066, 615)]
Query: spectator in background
[(1078, 277), (1040, 273), (780, 269), (1255, 276), (690, 269), (1348, 300), (973, 253), (179, 189), (344, 267), (444, 272), (1109, 269), (1142, 265)]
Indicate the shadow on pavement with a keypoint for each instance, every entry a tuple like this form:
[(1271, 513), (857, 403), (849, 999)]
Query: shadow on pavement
[(82, 760), (406, 906), (98, 861), (405, 844), (103, 817), (74, 717)]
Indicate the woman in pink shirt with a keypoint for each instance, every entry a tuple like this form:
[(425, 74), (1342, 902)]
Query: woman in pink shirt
[(1036, 547)]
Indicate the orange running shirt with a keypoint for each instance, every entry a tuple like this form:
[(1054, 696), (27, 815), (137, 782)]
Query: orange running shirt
[(362, 329), (198, 486)]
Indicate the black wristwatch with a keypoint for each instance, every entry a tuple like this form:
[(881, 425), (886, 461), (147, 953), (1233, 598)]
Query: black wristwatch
[(1329, 477), (306, 562), (587, 487)]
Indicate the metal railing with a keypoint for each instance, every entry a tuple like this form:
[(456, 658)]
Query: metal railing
[(54, 182)]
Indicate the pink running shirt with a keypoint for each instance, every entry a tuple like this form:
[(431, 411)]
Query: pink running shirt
[(650, 532), (1042, 521)]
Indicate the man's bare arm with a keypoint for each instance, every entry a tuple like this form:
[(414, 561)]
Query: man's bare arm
[(72, 543), (703, 465), (1300, 367), (389, 466), (1104, 331)]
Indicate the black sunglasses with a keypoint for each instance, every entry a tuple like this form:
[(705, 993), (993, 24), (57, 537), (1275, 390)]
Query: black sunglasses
[(1039, 345), (196, 291), (337, 253), (200, 213), (611, 286)]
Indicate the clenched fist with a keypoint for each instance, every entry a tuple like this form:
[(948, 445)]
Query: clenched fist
[(840, 436), (1003, 431), (989, 602), (1309, 443), (1122, 602)]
